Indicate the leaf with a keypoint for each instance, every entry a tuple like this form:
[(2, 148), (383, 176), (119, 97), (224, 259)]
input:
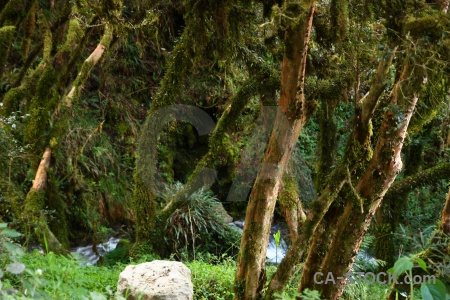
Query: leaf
[(433, 291), (15, 268), (401, 265), (13, 249), (97, 296), (3, 225), (11, 233), (421, 263), (1, 275)]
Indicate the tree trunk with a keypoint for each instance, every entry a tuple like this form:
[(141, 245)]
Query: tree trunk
[(34, 202), (321, 240), (367, 195), (358, 150), (445, 219), (291, 116), (290, 203)]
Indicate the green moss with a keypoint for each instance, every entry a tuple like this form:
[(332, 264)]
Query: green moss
[(14, 11), (54, 203), (29, 27), (431, 26), (42, 104), (144, 208), (289, 195), (339, 19), (34, 203), (431, 100), (74, 33), (6, 36), (12, 99), (120, 254)]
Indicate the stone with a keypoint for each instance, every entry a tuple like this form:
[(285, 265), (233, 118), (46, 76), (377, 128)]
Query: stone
[(158, 280)]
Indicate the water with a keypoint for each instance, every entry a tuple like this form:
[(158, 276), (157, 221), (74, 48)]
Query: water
[(86, 255), (274, 254)]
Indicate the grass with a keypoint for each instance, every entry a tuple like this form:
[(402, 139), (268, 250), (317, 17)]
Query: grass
[(56, 277)]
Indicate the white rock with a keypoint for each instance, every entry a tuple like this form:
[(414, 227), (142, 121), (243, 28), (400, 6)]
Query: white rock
[(158, 280)]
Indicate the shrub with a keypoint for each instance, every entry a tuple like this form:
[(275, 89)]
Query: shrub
[(213, 279)]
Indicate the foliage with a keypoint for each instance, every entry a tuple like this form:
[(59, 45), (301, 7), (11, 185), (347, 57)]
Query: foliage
[(36, 276), (305, 295), (200, 226), (364, 261), (213, 278), (429, 291), (119, 255)]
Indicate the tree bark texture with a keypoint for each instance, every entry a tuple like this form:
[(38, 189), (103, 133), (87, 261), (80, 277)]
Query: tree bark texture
[(291, 116)]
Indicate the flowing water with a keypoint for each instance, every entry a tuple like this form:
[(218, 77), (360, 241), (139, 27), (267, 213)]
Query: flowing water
[(87, 256), (275, 253)]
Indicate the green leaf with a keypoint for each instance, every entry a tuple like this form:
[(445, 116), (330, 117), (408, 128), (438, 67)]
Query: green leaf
[(11, 233), (97, 296), (3, 225), (1, 274), (15, 268), (401, 265), (433, 291), (13, 249), (421, 263)]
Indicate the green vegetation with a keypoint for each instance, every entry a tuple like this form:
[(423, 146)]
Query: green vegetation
[(160, 122)]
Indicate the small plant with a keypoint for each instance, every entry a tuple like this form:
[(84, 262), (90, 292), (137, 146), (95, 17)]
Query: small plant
[(10, 252), (405, 264), (277, 237), (201, 219), (213, 278)]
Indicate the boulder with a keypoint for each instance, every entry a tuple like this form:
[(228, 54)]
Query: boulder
[(159, 280)]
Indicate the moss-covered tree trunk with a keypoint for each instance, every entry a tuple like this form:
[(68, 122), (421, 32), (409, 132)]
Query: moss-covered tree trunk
[(366, 196), (321, 241), (290, 203), (292, 114), (445, 218), (358, 151), (35, 202)]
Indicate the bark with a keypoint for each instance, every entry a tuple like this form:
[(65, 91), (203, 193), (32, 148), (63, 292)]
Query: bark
[(290, 203), (328, 142), (443, 5), (291, 116), (32, 205), (357, 151), (319, 246), (383, 168), (445, 219)]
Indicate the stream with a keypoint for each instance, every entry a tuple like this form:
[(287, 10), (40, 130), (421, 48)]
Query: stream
[(87, 256)]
